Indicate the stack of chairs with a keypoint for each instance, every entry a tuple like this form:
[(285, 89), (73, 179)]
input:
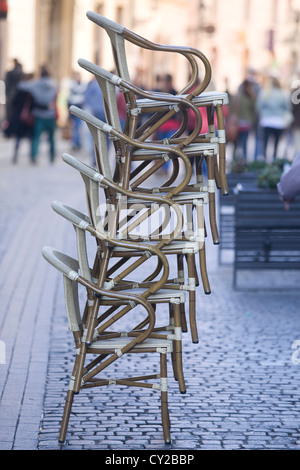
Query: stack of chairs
[(114, 289)]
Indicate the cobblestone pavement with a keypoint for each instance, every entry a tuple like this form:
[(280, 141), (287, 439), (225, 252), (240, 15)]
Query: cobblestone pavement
[(243, 377)]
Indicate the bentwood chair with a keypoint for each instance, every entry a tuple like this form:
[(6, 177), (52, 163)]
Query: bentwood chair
[(156, 297), (107, 348), (190, 201), (207, 150), (168, 245), (129, 151), (162, 111), (148, 151)]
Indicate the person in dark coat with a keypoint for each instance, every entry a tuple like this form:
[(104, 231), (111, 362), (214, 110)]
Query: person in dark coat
[(11, 80), (16, 126)]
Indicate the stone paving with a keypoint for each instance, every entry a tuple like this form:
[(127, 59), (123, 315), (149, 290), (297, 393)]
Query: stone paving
[(243, 377)]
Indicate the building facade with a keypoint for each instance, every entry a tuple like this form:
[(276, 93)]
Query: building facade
[(233, 34)]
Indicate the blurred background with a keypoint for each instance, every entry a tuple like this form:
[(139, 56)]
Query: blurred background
[(241, 39), (235, 35)]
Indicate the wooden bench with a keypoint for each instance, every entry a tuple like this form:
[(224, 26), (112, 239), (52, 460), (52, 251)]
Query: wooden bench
[(227, 211), (267, 236)]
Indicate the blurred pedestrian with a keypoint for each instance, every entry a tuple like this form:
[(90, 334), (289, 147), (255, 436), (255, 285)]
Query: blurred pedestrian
[(93, 104), (274, 109), (76, 98), (252, 76), (21, 121), (245, 109), (44, 94), (12, 79)]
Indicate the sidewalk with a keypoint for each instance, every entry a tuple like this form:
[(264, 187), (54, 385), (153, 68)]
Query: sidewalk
[(243, 384)]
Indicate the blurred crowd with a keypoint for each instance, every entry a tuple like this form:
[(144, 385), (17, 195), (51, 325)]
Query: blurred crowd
[(264, 109), (32, 109), (260, 109)]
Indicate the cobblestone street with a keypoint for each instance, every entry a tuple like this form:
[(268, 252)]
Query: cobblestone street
[(243, 377)]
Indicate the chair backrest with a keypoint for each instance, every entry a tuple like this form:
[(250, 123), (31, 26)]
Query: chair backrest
[(119, 35), (112, 226), (107, 82), (91, 179), (186, 170), (115, 33), (99, 131), (110, 83), (68, 266)]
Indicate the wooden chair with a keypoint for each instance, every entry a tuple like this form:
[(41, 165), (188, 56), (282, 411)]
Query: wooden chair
[(207, 149), (168, 244), (154, 292), (160, 105), (107, 347), (193, 201)]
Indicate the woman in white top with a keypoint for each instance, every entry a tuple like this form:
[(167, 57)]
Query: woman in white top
[(274, 109)]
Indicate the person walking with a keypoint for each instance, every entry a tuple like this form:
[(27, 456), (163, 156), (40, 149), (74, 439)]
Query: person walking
[(44, 94), (274, 110), (76, 98), (11, 80), (93, 104), (21, 121), (245, 106)]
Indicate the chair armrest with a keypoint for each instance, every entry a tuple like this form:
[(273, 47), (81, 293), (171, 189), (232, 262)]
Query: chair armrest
[(163, 148), (105, 23), (77, 218), (64, 263), (174, 100), (69, 267), (97, 177), (80, 220), (190, 53)]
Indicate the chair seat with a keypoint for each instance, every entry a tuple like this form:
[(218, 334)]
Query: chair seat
[(205, 98), (116, 344), (194, 149), (189, 196), (170, 295), (180, 246)]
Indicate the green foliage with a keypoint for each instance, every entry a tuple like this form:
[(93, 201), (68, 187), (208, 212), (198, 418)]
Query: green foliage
[(269, 176), (256, 165)]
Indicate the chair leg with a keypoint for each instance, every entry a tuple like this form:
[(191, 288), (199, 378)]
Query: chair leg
[(77, 371), (66, 416), (201, 239), (212, 202), (222, 149), (183, 318), (180, 268), (203, 271), (164, 398), (173, 353), (192, 297), (178, 348)]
